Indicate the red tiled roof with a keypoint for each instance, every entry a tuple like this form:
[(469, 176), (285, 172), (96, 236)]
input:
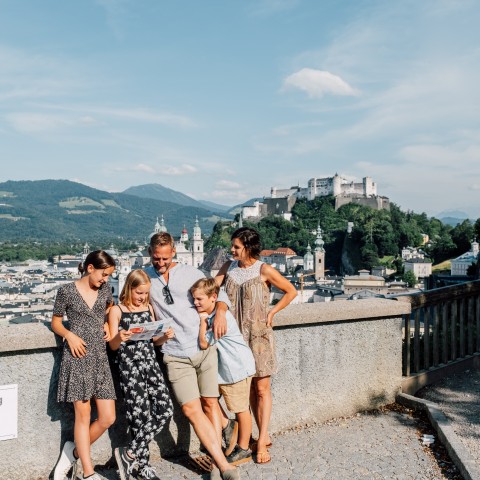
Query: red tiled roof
[(279, 251)]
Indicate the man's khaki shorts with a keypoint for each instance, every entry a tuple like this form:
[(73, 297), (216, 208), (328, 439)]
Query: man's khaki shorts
[(193, 377), (237, 395)]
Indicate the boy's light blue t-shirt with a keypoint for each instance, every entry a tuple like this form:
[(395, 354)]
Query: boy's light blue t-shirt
[(235, 359)]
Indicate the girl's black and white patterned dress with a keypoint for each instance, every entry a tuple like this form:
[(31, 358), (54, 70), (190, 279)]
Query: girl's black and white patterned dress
[(89, 376), (147, 400)]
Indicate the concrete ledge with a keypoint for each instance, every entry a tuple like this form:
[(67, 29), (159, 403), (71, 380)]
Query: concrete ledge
[(457, 451), (341, 311), (29, 336), (35, 336)]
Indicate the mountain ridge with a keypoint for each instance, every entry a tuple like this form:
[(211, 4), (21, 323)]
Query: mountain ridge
[(62, 209)]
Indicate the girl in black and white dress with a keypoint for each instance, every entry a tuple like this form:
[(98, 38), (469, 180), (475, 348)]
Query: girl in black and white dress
[(84, 371), (147, 400)]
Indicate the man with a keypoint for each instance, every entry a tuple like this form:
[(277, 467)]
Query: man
[(191, 371)]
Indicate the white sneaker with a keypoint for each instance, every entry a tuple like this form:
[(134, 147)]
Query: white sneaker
[(95, 476), (65, 462)]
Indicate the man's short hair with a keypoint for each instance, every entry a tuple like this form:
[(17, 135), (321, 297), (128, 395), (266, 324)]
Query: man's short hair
[(160, 240), (207, 285)]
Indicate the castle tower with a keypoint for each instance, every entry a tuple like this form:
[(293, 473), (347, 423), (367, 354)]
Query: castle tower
[(369, 187), (336, 185), (319, 256), (197, 245)]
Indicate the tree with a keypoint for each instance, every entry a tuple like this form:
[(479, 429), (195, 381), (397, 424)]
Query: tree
[(462, 236), (410, 279)]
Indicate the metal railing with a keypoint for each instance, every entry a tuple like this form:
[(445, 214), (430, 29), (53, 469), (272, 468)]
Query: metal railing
[(443, 328)]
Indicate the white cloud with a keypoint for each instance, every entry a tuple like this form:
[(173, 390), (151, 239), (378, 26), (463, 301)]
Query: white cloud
[(229, 194), (228, 184), (184, 169), (36, 122), (318, 83), (141, 167), (135, 114), (161, 170), (34, 76)]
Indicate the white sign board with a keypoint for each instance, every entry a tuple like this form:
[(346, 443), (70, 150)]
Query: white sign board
[(8, 412)]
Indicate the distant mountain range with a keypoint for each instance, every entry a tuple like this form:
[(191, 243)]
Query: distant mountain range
[(64, 210), (159, 192), (453, 217)]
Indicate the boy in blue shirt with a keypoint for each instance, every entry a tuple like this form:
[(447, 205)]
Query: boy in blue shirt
[(236, 364)]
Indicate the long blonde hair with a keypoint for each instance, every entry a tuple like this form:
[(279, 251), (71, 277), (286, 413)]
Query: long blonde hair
[(133, 280)]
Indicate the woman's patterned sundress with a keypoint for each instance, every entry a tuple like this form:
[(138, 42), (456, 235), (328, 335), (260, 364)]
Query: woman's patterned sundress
[(250, 298)]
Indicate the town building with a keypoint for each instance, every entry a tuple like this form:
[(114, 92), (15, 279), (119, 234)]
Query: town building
[(421, 267), (354, 284), (459, 265), (277, 258), (409, 253), (213, 261)]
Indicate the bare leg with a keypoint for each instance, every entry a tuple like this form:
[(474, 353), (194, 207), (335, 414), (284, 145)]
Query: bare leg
[(81, 433), (211, 408), (86, 433), (244, 429), (206, 432), (106, 418), (261, 402), (225, 417)]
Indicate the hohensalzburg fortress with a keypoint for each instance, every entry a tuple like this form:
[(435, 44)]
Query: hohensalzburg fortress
[(281, 200)]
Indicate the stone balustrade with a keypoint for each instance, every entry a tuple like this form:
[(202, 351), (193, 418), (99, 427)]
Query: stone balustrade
[(335, 359)]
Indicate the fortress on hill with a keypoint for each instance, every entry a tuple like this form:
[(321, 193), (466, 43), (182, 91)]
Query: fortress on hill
[(282, 200)]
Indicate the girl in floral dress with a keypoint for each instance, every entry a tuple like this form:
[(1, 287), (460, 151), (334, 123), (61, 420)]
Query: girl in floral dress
[(147, 399)]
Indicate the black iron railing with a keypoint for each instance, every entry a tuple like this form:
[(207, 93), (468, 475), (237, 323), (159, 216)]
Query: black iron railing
[(443, 327)]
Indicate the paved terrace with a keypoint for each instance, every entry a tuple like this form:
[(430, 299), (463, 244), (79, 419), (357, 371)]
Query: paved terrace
[(338, 362), (377, 445)]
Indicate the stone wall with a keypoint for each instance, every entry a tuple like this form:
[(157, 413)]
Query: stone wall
[(335, 359)]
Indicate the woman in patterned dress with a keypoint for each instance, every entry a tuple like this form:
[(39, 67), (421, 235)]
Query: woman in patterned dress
[(147, 400), (247, 282), (84, 371)]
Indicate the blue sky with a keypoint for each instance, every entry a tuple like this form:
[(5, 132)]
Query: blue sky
[(223, 99)]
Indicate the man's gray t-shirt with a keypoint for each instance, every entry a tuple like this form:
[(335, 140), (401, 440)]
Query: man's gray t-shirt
[(183, 314)]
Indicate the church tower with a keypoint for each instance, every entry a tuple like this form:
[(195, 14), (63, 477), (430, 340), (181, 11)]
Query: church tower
[(86, 251), (319, 256), (124, 268), (184, 235), (161, 227), (197, 245), (308, 260)]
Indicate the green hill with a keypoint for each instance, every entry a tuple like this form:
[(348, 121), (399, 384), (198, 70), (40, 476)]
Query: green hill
[(58, 210)]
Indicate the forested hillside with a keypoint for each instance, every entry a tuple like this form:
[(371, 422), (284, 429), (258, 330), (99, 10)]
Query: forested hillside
[(376, 233), (58, 210)]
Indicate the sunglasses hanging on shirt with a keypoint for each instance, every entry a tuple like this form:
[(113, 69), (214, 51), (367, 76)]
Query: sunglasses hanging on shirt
[(168, 295)]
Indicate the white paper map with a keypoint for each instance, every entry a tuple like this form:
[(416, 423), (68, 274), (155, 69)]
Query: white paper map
[(147, 330)]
